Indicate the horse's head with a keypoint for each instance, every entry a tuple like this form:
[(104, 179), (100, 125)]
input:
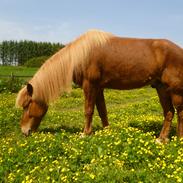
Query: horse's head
[(33, 110)]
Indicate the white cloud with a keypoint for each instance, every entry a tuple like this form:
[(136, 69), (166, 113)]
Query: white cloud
[(11, 30), (52, 33)]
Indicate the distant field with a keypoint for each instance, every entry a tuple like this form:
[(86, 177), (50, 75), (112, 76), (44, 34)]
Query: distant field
[(17, 70)]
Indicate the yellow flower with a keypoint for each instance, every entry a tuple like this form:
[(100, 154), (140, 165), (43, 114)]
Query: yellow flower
[(92, 176), (11, 176), (64, 178), (63, 170), (93, 161), (27, 178), (51, 169), (23, 145), (10, 150), (119, 163), (55, 162), (179, 179), (1, 160)]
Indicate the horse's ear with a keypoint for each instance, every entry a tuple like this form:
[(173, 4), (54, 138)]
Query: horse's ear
[(29, 89)]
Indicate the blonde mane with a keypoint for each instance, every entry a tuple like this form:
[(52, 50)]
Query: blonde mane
[(56, 74)]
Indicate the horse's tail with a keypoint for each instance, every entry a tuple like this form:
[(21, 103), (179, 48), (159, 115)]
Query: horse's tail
[(56, 74)]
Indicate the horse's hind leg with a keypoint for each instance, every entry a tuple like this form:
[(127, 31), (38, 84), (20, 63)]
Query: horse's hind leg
[(168, 110), (180, 121), (178, 103), (101, 107), (90, 93)]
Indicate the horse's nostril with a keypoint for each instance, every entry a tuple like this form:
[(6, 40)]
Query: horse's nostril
[(29, 132)]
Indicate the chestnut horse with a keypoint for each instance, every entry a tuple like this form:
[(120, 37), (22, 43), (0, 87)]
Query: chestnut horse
[(98, 60)]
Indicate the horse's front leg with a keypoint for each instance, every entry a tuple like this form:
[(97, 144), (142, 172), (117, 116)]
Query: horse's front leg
[(90, 93)]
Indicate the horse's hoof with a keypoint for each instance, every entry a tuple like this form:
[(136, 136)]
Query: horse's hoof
[(82, 135), (106, 127), (162, 140)]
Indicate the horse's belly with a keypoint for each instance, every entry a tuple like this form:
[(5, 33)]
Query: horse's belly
[(128, 78), (124, 86), (127, 83)]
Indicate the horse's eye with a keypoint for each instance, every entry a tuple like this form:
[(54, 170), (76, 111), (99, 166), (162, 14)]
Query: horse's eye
[(25, 109)]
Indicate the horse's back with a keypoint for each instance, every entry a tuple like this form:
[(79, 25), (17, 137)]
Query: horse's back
[(129, 63)]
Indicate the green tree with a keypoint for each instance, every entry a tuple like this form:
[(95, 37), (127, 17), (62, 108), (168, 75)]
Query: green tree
[(17, 53)]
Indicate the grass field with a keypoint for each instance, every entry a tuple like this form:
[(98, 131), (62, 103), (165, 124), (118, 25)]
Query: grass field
[(12, 78), (124, 152), (19, 71)]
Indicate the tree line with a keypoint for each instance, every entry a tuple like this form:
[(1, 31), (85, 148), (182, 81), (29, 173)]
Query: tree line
[(18, 52)]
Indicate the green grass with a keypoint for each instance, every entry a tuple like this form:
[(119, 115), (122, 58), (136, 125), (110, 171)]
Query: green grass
[(20, 71), (124, 152), (13, 84)]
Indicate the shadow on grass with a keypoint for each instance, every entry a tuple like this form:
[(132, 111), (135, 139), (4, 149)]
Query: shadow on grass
[(71, 130), (58, 129), (152, 126)]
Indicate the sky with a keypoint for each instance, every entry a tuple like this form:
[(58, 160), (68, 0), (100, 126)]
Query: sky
[(64, 20)]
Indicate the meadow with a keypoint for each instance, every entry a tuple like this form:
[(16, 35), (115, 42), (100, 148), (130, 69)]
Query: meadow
[(12, 78), (18, 71), (124, 152)]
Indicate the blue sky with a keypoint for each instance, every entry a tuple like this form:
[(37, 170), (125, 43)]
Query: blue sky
[(63, 20)]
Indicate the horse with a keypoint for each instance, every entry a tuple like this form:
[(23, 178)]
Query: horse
[(97, 60)]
